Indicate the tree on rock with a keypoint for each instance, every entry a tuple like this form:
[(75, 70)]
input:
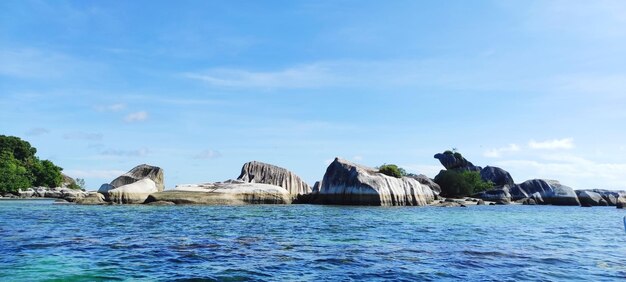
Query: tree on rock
[(392, 170)]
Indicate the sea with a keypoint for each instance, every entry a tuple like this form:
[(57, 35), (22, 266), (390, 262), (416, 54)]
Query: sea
[(43, 241)]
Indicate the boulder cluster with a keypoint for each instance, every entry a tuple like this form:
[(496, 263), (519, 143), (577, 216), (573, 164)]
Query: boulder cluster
[(344, 183)]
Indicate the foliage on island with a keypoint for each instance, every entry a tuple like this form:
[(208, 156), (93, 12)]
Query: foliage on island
[(20, 168), (392, 170), (455, 183)]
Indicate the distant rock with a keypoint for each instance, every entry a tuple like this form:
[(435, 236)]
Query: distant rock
[(498, 176), (590, 198), (423, 179), (496, 195), (26, 193), (258, 172), (551, 191), (67, 181), (226, 193), (133, 193), (92, 199), (135, 186), (346, 183), (455, 161), (139, 172)]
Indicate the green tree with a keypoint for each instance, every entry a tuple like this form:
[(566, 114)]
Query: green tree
[(13, 176), (461, 183), (20, 168), (392, 170), (78, 183)]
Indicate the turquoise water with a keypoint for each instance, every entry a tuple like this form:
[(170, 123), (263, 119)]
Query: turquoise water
[(41, 241)]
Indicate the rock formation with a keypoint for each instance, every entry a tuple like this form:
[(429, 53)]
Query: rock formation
[(590, 198), (135, 186), (67, 180), (258, 172), (498, 176), (496, 195), (232, 192), (551, 191), (455, 161), (423, 179), (346, 183)]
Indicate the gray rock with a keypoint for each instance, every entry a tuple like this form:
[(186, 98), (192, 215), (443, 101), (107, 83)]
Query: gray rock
[(496, 195), (67, 181), (498, 176), (448, 205), (455, 161), (423, 179), (480, 202), (26, 193), (346, 183), (590, 198), (551, 191), (223, 194), (161, 203), (140, 172), (258, 172), (92, 199), (529, 201)]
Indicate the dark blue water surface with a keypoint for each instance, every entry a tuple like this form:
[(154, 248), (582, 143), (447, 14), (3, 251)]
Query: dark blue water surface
[(42, 241)]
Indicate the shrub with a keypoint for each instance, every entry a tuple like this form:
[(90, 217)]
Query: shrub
[(460, 184), (392, 170)]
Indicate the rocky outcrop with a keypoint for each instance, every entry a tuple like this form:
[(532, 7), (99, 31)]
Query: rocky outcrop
[(496, 195), (610, 196), (499, 177), (92, 199), (258, 172), (135, 186), (590, 198), (551, 191), (455, 161), (226, 193), (133, 193), (140, 172), (67, 181), (26, 193), (423, 179), (346, 183)]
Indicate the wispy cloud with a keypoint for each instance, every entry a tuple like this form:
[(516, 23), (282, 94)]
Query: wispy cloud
[(555, 144), (136, 117), (111, 108), (81, 135), (40, 64), (126, 153), (207, 154), (38, 131), (304, 76), (580, 173), (497, 152)]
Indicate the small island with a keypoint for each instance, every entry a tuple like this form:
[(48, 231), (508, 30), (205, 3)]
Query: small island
[(459, 184)]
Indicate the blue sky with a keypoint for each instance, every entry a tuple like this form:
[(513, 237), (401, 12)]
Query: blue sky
[(201, 87)]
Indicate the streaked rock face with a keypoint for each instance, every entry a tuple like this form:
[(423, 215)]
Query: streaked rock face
[(346, 183), (423, 179), (224, 193), (134, 193), (139, 172), (135, 186), (551, 191), (258, 172)]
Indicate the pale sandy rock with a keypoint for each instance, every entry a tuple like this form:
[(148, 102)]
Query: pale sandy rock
[(134, 193), (226, 193), (258, 172), (346, 183), (92, 199), (138, 173)]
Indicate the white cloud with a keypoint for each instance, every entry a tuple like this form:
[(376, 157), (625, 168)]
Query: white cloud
[(78, 173), (135, 117), (554, 144), (111, 108), (497, 152), (577, 172), (428, 170), (207, 154), (80, 135), (303, 76)]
